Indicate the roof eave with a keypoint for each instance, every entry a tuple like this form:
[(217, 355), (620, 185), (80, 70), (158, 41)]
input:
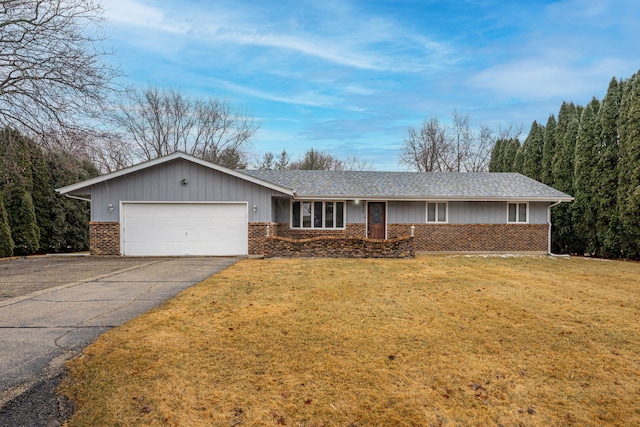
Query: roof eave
[(549, 199)]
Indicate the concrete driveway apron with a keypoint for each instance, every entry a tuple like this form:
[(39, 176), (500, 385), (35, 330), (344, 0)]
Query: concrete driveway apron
[(40, 331)]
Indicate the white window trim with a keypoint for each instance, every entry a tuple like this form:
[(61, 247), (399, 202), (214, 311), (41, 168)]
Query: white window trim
[(526, 221), (344, 214), (426, 213)]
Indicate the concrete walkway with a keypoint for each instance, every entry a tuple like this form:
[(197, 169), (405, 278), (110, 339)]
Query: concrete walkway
[(39, 331)]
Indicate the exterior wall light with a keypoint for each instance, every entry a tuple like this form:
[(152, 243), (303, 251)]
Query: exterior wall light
[(184, 181), (255, 209), (110, 208)]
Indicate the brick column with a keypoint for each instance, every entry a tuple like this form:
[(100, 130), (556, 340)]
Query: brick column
[(104, 238), (258, 235)]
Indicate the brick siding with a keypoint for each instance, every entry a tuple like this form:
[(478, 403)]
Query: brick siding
[(475, 237), (258, 235), (339, 247), (104, 238)]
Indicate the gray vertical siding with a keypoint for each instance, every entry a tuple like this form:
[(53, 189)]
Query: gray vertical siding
[(281, 209), (162, 183), (356, 214), (406, 212), (538, 212), (492, 212), (477, 212), (413, 212)]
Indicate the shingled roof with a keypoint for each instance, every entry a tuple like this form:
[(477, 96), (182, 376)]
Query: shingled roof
[(410, 185)]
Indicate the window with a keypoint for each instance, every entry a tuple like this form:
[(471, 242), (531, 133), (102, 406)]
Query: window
[(319, 215), (517, 212), (436, 212)]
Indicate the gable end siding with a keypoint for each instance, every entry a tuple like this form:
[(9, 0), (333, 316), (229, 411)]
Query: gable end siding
[(163, 183)]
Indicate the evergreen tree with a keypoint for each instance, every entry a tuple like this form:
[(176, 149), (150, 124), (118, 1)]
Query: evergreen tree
[(532, 150), (548, 150), (518, 162), (43, 196), (6, 242), (509, 156), (502, 149), (629, 168), (28, 178), (17, 184), (563, 236), (584, 207), (565, 137), (607, 224), (495, 154), (22, 220), (69, 217)]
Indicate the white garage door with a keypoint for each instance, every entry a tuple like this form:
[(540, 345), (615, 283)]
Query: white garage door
[(170, 229)]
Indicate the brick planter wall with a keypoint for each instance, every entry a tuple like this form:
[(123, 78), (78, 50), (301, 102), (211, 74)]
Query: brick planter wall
[(339, 247), (476, 237), (104, 238)]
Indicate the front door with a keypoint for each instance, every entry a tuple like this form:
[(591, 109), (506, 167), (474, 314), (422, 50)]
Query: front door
[(376, 220)]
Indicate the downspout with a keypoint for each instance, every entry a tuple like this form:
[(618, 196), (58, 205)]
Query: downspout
[(549, 233)]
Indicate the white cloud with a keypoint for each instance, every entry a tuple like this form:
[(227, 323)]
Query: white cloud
[(307, 98), (136, 14), (367, 43)]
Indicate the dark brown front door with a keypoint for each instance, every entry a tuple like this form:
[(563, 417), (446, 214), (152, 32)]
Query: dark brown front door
[(376, 220)]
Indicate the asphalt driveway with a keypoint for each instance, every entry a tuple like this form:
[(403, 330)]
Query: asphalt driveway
[(53, 307)]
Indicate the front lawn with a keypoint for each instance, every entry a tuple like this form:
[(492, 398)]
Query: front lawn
[(530, 341)]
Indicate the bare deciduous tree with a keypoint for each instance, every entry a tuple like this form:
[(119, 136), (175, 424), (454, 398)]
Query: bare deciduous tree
[(458, 148), (509, 131), (354, 163), (51, 68), (162, 121), (463, 136), (105, 149), (426, 149)]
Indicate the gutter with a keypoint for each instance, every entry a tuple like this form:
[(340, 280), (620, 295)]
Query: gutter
[(549, 233), (78, 198)]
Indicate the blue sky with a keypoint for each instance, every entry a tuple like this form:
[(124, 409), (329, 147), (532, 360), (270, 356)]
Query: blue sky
[(350, 77)]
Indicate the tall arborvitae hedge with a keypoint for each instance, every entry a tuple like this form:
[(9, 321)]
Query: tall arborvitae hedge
[(607, 222), (495, 159), (532, 151), (629, 167), (6, 242), (510, 153), (69, 217), (22, 220), (548, 150), (37, 218), (593, 154), (585, 207)]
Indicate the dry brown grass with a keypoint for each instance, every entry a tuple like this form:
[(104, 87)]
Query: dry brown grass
[(431, 341)]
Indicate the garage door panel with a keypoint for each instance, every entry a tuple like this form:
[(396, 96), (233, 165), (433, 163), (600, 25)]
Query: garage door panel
[(161, 229), (190, 248), (165, 223), (193, 235)]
